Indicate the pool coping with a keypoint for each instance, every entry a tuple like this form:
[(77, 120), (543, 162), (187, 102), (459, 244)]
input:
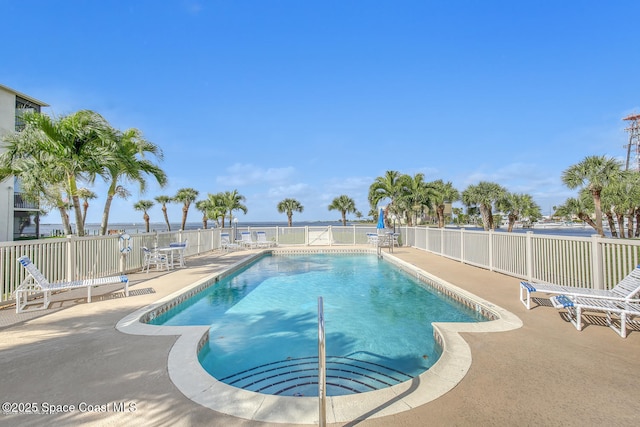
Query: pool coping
[(195, 383)]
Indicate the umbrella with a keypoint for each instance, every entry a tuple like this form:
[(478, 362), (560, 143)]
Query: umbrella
[(380, 220)]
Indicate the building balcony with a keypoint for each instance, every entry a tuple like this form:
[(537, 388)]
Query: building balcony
[(20, 203)]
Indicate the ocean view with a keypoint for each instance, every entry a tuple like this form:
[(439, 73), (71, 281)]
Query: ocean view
[(135, 228)]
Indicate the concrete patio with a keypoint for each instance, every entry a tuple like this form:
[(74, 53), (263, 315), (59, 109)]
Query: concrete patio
[(544, 373)]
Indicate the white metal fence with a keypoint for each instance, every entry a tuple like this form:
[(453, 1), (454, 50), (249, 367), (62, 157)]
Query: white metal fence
[(593, 262), (571, 261)]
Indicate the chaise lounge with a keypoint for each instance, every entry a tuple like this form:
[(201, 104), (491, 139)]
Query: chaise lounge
[(36, 282), (628, 289), (575, 306)]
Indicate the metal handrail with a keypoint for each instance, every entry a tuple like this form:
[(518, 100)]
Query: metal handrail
[(322, 374)]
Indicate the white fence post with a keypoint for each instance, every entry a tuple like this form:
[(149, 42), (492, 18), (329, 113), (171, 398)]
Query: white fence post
[(597, 262), (491, 235), (529, 255)]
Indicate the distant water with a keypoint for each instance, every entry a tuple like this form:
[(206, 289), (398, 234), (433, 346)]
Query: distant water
[(135, 228)]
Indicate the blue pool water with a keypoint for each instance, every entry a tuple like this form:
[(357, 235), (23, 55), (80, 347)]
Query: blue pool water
[(264, 324)]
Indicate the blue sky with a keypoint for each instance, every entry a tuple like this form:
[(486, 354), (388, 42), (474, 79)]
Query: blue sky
[(314, 99)]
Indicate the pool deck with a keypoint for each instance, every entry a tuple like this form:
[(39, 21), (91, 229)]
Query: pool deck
[(544, 373)]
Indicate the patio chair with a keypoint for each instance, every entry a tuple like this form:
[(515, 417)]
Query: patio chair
[(226, 244), (247, 241), (261, 240), (36, 282), (628, 289), (575, 306), (159, 260)]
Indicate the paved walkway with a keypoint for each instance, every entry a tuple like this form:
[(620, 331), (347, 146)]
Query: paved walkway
[(545, 373)]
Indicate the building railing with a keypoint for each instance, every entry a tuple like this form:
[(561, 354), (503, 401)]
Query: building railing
[(20, 202), (594, 262)]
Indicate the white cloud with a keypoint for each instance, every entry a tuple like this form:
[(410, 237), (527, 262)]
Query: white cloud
[(241, 174)]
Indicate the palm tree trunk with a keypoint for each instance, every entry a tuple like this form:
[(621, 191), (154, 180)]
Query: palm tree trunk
[(344, 219), (146, 221), (105, 215), (290, 218), (440, 214), (185, 210), (598, 205), (85, 207), (612, 225), (66, 226), (620, 218), (166, 217)]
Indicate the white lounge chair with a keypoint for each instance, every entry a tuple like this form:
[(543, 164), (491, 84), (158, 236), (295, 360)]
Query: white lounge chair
[(247, 241), (628, 289), (575, 306), (261, 240), (158, 259), (226, 244), (35, 282)]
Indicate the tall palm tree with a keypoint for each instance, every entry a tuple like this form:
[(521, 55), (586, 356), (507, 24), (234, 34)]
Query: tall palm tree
[(130, 149), (232, 201), (163, 200), (484, 195), (415, 195), (203, 206), (289, 206), (216, 209), (443, 192), (40, 180), (72, 148), (344, 204), (85, 194), (390, 186), (144, 206), (593, 173), (186, 196)]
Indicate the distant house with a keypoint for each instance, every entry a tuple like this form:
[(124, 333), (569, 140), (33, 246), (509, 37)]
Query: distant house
[(18, 218)]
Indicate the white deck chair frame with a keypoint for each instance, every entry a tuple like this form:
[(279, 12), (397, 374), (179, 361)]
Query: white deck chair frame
[(575, 306), (36, 282), (628, 289), (261, 240)]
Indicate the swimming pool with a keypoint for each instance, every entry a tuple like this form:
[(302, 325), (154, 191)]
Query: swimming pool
[(188, 375), (263, 324)]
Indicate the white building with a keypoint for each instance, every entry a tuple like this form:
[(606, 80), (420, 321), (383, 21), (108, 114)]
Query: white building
[(15, 212)]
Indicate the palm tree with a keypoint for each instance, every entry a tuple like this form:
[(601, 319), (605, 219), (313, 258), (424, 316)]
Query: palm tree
[(344, 204), (163, 200), (130, 165), (390, 186), (579, 207), (203, 206), (484, 195), (232, 201), (415, 196), (443, 193), (289, 206), (85, 194), (517, 205), (144, 206), (215, 207), (41, 182), (186, 196), (74, 147), (593, 173)]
